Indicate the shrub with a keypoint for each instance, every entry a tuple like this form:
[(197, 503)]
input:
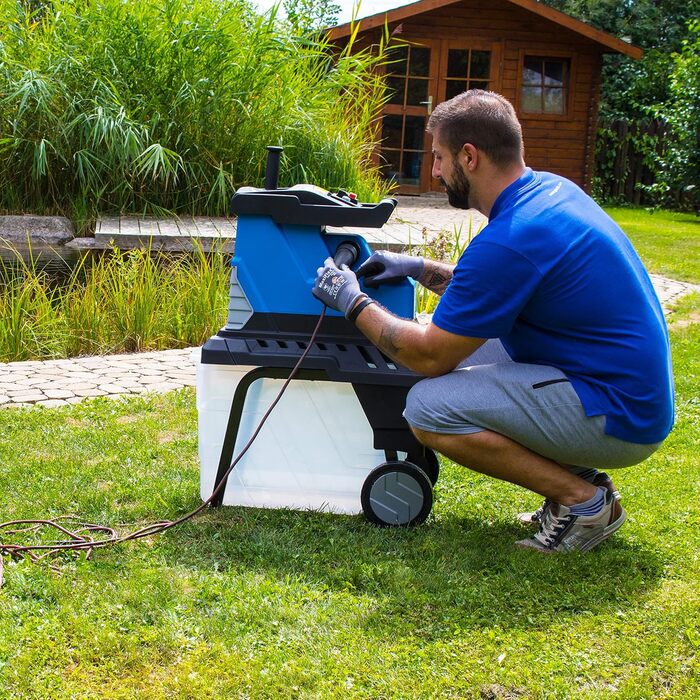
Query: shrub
[(129, 106)]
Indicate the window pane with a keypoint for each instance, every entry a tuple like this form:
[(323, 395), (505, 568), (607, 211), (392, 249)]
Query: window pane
[(391, 130), (390, 165), (532, 71), (457, 63), (480, 64), (454, 88), (420, 61), (554, 101), (554, 73), (394, 89), (414, 133), (417, 91), (478, 85), (411, 168), (532, 100), (398, 60)]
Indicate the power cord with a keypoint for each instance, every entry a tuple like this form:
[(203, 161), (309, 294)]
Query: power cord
[(80, 537)]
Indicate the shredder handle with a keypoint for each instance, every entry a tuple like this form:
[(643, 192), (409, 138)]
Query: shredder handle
[(272, 168)]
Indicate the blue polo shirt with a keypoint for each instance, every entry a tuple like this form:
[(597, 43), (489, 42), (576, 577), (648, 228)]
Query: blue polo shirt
[(555, 278)]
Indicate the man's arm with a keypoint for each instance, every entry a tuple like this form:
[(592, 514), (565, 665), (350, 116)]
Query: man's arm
[(426, 349), (436, 276)]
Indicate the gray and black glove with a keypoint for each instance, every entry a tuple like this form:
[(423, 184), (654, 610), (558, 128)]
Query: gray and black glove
[(384, 266), (337, 287)]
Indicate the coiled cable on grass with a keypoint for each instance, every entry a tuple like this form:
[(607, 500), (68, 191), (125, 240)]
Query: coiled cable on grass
[(85, 537)]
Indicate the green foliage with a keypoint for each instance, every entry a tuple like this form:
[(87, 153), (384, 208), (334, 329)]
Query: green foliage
[(311, 15), (657, 26), (129, 106), (679, 164), (120, 302), (638, 91)]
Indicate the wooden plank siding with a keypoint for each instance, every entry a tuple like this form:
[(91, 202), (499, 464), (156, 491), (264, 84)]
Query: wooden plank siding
[(563, 144)]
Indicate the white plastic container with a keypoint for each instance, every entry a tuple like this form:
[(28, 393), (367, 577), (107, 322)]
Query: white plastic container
[(313, 453)]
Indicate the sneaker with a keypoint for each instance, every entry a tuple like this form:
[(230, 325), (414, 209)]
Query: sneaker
[(536, 517), (562, 531)]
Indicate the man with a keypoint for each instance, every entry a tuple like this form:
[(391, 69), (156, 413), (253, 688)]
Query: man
[(547, 356)]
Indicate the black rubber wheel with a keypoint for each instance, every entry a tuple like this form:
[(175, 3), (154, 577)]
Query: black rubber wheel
[(397, 494), (428, 461)]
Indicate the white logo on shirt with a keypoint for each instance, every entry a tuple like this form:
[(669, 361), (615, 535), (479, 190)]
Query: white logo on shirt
[(556, 189)]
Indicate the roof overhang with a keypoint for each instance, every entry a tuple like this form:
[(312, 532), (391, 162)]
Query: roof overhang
[(608, 42)]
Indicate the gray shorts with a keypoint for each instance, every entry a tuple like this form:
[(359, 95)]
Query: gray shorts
[(534, 405)]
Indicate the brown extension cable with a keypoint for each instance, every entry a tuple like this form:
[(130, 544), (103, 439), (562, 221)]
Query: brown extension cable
[(80, 537)]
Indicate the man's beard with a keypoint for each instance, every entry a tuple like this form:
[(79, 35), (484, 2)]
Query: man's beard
[(458, 191)]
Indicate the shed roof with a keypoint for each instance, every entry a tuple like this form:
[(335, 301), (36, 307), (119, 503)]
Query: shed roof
[(610, 43)]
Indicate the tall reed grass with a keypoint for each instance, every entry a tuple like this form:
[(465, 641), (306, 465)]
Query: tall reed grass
[(446, 246), (119, 302), (167, 105)]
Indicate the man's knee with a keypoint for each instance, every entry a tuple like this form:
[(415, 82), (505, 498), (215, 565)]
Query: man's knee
[(421, 407)]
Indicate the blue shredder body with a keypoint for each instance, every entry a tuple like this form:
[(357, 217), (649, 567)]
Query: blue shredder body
[(341, 417)]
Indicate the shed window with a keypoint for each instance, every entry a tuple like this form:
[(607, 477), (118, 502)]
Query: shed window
[(409, 76), (467, 69), (545, 86)]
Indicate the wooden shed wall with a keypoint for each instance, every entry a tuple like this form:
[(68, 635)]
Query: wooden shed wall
[(564, 145)]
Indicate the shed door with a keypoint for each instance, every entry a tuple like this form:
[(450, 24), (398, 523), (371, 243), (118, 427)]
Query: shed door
[(421, 75), (412, 87)]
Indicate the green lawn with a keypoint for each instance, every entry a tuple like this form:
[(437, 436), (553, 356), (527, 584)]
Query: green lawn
[(667, 241), (273, 604)]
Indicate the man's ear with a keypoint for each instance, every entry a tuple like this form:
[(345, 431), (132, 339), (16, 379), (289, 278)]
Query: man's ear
[(470, 155)]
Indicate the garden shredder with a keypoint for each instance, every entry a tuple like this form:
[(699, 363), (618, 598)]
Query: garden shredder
[(337, 440)]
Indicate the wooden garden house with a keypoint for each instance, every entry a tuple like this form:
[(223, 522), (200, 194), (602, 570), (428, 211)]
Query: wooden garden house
[(545, 62)]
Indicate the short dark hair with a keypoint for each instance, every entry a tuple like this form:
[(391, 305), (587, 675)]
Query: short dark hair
[(485, 119)]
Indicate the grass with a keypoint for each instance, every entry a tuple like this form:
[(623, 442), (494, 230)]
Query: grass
[(668, 241), (246, 603), (262, 604), (129, 106)]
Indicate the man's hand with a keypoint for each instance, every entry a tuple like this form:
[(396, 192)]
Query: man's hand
[(384, 266), (337, 287)]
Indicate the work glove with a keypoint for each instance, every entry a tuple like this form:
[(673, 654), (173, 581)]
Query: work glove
[(384, 266), (337, 287)]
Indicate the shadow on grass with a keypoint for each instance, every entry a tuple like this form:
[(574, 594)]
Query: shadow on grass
[(449, 572)]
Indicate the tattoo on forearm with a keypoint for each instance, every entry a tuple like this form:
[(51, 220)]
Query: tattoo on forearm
[(437, 276), (388, 338)]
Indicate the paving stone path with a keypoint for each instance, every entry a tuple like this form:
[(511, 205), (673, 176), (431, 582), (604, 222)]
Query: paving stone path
[(62, 382)]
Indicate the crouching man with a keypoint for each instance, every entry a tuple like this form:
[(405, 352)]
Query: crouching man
[(547, 357)]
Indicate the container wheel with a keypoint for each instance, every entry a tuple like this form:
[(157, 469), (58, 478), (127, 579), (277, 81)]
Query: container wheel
[(397, 494)]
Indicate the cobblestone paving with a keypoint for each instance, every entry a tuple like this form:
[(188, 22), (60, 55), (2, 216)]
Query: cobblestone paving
[(62, 382)]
